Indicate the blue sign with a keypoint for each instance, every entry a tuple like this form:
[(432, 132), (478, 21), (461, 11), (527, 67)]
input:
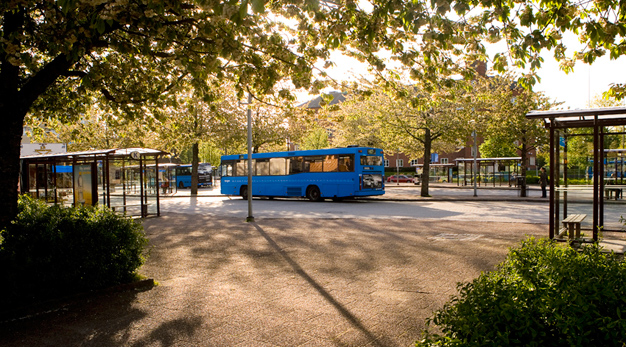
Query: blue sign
[(562, 141)]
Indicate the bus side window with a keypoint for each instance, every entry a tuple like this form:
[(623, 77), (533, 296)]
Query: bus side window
[(227, 168), (278, 167), (346, 163), (242, 168), (297, 166), (330, 163), (313, 164), (262, 167)]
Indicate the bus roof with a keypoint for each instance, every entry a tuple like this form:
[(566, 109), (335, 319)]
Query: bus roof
[(341, 150)]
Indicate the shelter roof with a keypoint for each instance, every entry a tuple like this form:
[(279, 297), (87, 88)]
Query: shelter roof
[(82, 155), (581, 118), (435, 165), (489, 159)]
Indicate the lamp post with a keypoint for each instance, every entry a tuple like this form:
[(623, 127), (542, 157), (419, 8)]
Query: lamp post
[(474, 166), (250, 218), (398, 167)]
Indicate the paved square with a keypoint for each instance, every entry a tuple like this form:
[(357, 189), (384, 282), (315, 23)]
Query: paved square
[(281, 282)]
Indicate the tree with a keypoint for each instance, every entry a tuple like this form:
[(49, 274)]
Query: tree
[(354, 123), (134, 52), (197, 117), (96, 128), (415, 119), (317, 138), (503, 108), (270, 126), (497, 147), (529, 27)]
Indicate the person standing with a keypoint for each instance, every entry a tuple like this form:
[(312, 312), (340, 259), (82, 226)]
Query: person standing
[(543, 182)]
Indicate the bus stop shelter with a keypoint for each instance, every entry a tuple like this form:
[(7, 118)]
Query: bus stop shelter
[(489, 170), (125, 180), (438, 172), (587, 207)]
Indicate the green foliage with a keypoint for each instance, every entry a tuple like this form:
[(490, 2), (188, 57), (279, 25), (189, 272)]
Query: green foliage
[(497, 147), (317, 138), (576, 181), (531, 179), (543, 294), (49, 251)]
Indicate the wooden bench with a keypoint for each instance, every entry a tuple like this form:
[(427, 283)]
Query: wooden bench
[(608, 193), (571, 223), (124, 207)]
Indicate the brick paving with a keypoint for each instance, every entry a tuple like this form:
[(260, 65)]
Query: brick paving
[(280, 282)]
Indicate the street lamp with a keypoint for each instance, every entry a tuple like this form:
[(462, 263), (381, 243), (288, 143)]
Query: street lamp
[(475, 150), (398, 167), (250, 218)]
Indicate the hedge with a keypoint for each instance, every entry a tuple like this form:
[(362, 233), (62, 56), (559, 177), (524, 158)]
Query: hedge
[(50, 251), (543, 294)]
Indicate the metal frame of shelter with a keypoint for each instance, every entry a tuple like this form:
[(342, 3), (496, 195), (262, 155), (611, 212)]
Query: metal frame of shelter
[(434, 167), (480, 163), (559, 123), (86, 164)]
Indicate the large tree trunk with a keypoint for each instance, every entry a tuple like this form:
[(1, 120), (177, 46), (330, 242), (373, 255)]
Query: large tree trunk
[(13, 111), (194, 169), (10, 139), (426, 168)]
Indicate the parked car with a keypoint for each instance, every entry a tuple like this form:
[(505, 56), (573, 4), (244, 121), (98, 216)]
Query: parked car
[(400, 178)]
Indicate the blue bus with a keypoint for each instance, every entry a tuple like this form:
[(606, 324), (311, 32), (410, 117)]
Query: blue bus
[(183, 175), (315, 174)]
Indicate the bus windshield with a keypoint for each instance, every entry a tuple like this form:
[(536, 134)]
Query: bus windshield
[(183, 175), (371, 160)]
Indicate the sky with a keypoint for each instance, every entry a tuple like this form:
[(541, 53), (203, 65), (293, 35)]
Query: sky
[(586, 82), (575, 89)]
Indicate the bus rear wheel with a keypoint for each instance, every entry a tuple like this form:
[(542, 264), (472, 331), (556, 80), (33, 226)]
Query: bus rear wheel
[(181, 185), (313, 193), (244, 192)]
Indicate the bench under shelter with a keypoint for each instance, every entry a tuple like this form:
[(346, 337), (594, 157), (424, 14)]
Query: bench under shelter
[(591, 142)]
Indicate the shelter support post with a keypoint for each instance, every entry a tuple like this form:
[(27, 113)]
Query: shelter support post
[(553, 216), (565, 176), (602, 181)]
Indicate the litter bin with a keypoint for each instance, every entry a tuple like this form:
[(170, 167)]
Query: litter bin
[(521, 184)]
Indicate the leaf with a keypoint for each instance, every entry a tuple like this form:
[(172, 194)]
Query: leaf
[(258, 6)]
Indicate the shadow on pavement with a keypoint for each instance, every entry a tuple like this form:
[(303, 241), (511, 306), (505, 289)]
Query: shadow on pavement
[(320, 289)]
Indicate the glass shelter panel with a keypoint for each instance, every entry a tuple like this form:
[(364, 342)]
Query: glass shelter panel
[(574, 184)]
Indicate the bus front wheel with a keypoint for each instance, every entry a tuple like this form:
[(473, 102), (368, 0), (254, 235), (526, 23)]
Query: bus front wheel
[(244, 192), (313, 193)]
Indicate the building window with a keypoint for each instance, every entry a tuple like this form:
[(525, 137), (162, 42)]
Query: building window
[(444, 160), (414, 162), (386, 162), (399, 162)]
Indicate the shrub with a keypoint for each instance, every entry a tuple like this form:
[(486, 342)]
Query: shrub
[(530, 179), (543, 294), (50, 251)]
